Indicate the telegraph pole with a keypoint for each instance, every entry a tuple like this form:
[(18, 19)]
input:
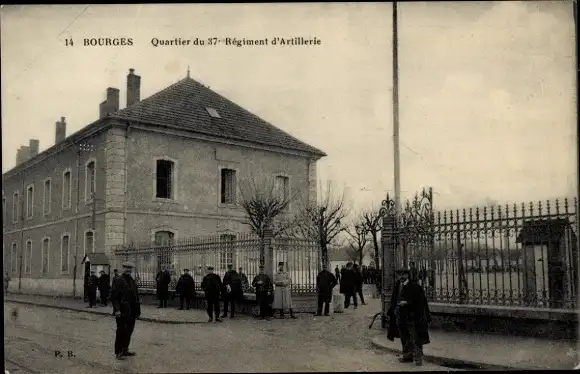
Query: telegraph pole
[(396, 151)]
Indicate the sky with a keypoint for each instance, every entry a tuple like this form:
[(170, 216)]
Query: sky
[(487, 89)]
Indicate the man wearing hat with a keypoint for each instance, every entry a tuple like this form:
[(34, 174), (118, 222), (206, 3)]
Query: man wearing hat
[(263, 286), (126, 309), (232, 290), (325, 283), (185, 289), (163, 279), (104, 287), (212, 287), (282, 295), (409, 317), (92, 289)]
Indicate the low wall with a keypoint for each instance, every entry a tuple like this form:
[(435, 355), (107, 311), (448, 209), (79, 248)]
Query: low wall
[(60, 287), (540, 323)]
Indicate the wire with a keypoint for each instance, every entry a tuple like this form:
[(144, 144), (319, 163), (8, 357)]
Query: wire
[(48, 47)]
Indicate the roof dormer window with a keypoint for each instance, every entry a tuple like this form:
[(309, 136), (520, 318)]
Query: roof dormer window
[(213, 113)]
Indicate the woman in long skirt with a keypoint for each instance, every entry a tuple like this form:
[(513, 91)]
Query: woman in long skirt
[(282, 295)]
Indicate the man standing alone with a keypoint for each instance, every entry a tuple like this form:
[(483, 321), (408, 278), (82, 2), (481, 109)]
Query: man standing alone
[(232, 291), (409, 318), (358, 280), (163, 280), (126, 309), (282, 294), (212, 287), (263, 286), (104, 287), (92, 288), (325, 282)]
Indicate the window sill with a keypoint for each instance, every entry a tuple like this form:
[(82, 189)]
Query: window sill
[(229, 206), (162, 200)]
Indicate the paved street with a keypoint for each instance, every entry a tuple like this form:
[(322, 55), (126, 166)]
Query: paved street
[(339, 343)]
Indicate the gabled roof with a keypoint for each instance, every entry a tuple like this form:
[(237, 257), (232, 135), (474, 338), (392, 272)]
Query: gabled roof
[(184, 104)]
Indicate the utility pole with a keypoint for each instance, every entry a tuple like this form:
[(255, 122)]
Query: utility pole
[(81, 147), (396, 152)]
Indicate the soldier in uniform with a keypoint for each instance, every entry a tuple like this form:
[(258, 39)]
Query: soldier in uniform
[(186, 289), (126, 309), (163, 279), (212, 287), (92, 288), (232, 291), (325, 283), (282, 295), (263, 286), (409, 317)]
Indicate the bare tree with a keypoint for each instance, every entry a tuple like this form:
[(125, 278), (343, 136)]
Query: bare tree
[(358, 239), (265, 205), (323, 220), (372, 221)]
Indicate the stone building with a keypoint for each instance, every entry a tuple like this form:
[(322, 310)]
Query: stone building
[(162, 168)]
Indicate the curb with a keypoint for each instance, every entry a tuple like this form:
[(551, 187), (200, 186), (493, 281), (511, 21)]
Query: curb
[(448, 361), (144, 319)]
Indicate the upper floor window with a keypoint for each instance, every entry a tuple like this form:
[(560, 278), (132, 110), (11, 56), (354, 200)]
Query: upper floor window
[(30, 201), (89, 242), (165, 178), (90, 180), (64, 254), (282, 187), (164, 238), (28, 257), (228, 186), (66, 189), (45, 255), (15, 207), (47, 196)]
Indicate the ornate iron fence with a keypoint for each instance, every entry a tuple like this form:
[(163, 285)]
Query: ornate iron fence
[(512, 255), (241, 250)]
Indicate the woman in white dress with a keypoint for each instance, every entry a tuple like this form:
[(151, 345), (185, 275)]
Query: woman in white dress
[(282, 295)]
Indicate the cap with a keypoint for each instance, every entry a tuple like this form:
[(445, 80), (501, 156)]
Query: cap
[(403, 271), (185, 269), (230, 266), (261, 267), (128, 265), (115, 270), (281, 263), (210, 268)]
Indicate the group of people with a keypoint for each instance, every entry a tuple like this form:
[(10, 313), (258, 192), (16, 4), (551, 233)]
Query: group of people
[(102, 283), (351, 282)]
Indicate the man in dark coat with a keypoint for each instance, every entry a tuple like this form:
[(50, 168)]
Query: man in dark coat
[(348, 286), (163, 280), (92, 288), (409, 318), (185, 289), (232, 291), (263, 286), (325, 283), (358, 280), (337, 273), (212, 287), (104, 287), (126, 309)]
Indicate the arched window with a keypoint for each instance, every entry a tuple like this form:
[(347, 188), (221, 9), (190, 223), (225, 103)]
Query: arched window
[(64, 254), (45, 255), (28, 257), (14, 258), (90, 179), (164, 240), (66, 189)]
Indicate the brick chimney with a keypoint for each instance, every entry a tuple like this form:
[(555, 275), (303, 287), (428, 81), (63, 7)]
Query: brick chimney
[(33, 146), (133, 88), (111, 104), (22, 154), (60, 133)]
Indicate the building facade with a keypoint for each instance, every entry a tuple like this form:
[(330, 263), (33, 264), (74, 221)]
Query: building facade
[(163, 168)]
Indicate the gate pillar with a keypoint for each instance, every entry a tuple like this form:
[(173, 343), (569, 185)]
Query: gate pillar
[(389, 246)]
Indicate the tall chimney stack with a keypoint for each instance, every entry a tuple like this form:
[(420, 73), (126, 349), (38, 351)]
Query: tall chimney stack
[(22, 154), (111, 104), (133, 88), (33, 145), (60, 133)]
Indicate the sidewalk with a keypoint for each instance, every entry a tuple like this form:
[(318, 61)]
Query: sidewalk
[(149, 313), (491, 352)]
